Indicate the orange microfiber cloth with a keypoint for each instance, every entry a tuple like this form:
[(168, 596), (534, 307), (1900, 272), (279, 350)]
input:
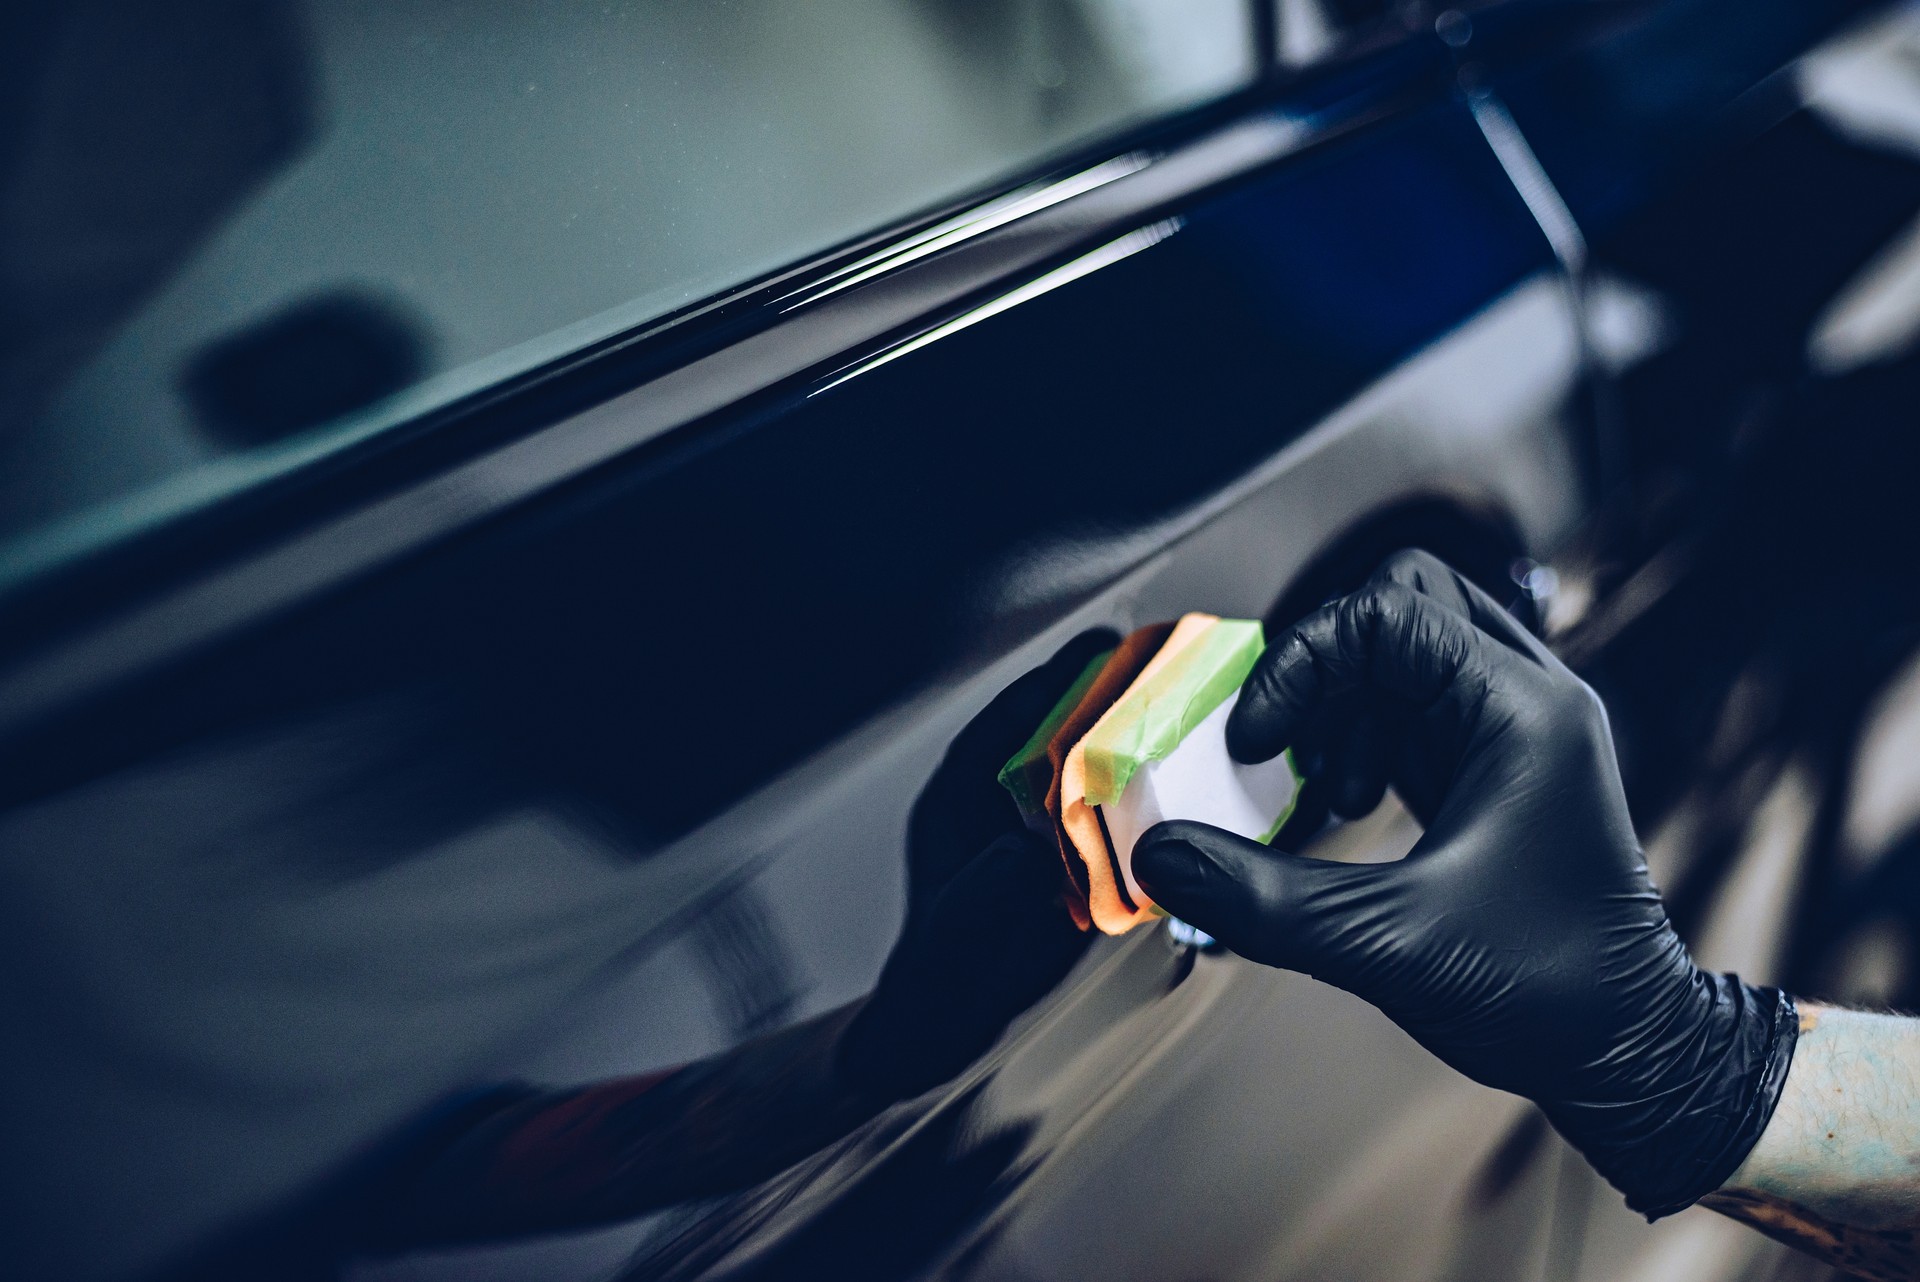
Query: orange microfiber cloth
[(1129, 659), (1140, 737), (1110, 905)]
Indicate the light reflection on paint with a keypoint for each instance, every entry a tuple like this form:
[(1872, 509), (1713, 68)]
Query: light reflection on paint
[(1188, 936), (974, 222), (1105, 256)]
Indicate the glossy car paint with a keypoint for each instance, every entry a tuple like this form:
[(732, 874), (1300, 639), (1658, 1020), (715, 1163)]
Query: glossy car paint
[(591, 752)]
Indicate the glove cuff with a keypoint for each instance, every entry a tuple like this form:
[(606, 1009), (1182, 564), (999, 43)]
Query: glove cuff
[(1771, 1029), (1695, 1126)]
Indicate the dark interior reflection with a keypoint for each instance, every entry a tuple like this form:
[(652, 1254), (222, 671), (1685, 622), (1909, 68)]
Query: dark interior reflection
[(985, 937), (315, 361), (132, 131)]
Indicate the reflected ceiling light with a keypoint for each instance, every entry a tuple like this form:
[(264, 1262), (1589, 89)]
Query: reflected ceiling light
[(1105, 256)]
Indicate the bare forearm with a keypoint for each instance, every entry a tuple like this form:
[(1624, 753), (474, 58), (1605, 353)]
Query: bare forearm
[(1837, 1171)]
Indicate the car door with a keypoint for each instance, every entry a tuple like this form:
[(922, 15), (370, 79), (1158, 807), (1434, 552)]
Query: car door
[(554, 714)]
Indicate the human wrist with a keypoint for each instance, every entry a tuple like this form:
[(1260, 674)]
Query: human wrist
[(1845, 1120), (1833, 1173), (1712, 1074)]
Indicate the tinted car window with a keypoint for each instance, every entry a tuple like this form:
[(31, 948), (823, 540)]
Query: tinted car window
[(236, 235)]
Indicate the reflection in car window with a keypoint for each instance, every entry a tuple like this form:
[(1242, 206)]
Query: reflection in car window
[(1307, 31), (240, 235)]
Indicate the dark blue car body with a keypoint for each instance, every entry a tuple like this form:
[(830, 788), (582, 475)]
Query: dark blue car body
[(568, 728)]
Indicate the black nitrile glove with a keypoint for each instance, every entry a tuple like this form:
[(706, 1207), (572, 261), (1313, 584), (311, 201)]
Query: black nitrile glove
[(987, 933), (1521, 941)]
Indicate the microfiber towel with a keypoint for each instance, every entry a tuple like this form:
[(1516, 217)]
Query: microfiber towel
[(1084, 840), (1127, 661)]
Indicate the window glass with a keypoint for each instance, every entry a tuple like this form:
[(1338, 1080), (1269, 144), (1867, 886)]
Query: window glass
[(234, 234)]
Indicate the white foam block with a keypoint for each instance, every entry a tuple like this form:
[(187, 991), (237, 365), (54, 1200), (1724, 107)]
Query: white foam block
[(1198, 780)]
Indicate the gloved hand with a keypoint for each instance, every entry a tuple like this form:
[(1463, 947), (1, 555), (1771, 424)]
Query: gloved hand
[(1522, 940), (987, 933)]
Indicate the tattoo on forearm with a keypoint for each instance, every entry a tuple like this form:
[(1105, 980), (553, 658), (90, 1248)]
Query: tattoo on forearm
[(1879, 1254), (1837, 1172)]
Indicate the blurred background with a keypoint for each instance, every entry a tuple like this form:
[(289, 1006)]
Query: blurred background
[(502, 507)]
